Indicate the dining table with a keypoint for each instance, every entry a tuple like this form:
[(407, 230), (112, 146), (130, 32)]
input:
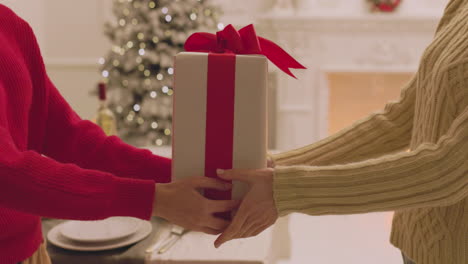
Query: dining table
[(192, 247), (270, 247)]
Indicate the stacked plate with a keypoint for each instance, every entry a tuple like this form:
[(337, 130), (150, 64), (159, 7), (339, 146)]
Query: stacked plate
[(110, 233)]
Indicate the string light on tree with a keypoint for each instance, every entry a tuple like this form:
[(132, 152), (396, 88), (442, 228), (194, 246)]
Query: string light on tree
[(140, 121), (145, 36)]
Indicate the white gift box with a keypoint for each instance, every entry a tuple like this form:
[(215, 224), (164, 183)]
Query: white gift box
[(220, 116)]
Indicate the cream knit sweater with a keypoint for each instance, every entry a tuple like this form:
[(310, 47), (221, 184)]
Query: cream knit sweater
[(411, 158)]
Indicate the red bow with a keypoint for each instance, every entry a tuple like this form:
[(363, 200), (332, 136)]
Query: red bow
[(244, 41)]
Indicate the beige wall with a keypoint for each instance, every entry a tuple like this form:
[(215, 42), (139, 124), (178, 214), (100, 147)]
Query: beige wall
[(31, 11), (71, 40)]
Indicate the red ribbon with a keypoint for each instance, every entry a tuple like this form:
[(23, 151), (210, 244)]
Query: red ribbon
[(244, 41), (219, 137)]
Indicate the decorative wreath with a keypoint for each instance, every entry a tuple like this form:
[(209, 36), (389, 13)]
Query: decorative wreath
[(385, 5)]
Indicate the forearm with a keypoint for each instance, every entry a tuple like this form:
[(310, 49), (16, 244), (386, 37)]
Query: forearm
[(379, 134), (431, 175), (41, 186), (91, 149), (124, 160), (69, 139)]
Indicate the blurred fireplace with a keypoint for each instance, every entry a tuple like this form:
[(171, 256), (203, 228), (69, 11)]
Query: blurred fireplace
[(356, 63), (354, 95)]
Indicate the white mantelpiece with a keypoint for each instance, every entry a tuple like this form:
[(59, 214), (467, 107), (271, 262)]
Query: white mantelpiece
[(337, 42), (410, 7)]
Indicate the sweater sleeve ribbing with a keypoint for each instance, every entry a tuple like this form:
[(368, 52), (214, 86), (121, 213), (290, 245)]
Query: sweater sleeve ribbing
[(431, 175), (378, 134), (69, 139), (34, 184)]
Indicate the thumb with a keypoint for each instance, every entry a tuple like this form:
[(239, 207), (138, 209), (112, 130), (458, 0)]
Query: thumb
[(210, 183), (236, 174), (224, 237)]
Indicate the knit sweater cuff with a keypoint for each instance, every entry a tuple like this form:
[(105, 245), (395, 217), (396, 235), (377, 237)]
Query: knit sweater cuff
[(282, 193), (132, 198), (279, 192)]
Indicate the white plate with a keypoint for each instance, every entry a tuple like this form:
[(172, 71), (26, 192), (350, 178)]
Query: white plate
[(106, 230), (56, 238)]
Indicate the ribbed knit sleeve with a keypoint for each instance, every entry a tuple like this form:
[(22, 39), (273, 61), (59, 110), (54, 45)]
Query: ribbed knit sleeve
[(378, 134), (69, 139), (34, 184), (431, 175)]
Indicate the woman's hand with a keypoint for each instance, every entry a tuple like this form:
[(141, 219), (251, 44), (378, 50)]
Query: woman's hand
[(181, 203), (257, 210)]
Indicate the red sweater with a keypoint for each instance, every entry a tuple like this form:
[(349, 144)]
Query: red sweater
[(85, 175)]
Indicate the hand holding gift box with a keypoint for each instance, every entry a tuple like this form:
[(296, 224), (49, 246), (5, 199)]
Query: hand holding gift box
[(220, 105)]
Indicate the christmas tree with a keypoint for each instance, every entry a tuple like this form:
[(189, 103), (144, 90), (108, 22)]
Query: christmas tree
[(138, 69)]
